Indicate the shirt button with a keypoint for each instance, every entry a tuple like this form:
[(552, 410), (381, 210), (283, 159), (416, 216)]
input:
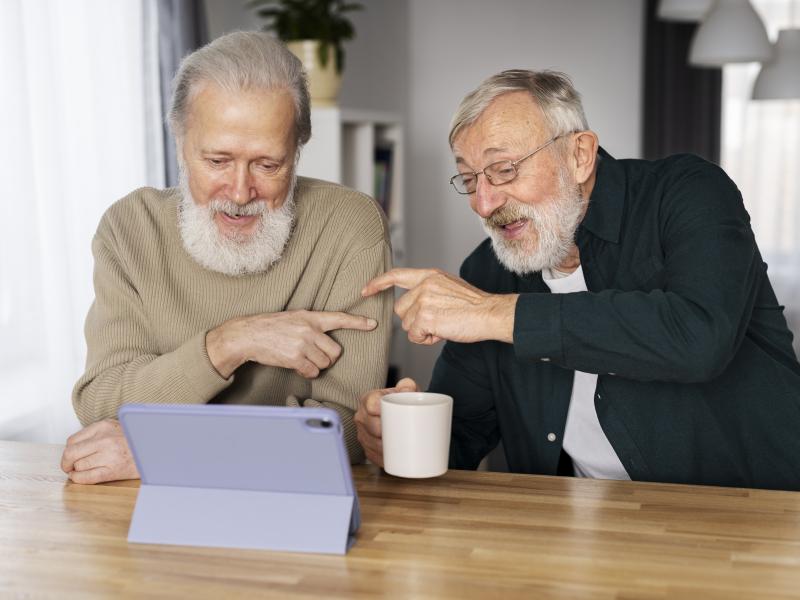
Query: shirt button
[(544, 359), (551, 437), (599, 397), (612, 374)]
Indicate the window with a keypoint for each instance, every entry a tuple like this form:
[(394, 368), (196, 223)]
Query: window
[(761, 153), (75, 112)]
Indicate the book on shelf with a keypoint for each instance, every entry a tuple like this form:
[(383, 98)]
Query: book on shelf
[(383, 176)]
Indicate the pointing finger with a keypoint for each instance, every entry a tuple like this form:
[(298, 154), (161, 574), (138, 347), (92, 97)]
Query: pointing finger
[(328, 321), (404, 278)]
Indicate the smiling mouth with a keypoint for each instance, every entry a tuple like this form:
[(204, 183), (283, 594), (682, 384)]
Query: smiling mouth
[(227, 217), (513, 226)]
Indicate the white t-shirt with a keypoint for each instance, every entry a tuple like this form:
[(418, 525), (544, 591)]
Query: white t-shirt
[(584, 440)]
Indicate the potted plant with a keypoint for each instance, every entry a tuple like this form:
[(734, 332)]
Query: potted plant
[(314, 31)]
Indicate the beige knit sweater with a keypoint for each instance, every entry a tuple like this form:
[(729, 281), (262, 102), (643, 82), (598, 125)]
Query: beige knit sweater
[(146, 329)]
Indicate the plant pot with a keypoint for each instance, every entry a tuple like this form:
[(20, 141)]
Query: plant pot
[(323, 82)]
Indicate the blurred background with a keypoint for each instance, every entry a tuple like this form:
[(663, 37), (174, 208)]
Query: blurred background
[(85, 84)]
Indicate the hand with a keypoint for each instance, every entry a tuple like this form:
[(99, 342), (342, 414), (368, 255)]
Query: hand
[(292, 340), (98, 453), (368, 419), (441, 306)]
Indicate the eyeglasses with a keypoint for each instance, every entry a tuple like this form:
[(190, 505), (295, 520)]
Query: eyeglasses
[(497, 173)]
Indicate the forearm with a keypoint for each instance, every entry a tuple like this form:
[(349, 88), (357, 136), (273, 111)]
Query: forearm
[(653, 335), (226, 347), (365, 354), (183, 376), (362, 367), (497, 317)]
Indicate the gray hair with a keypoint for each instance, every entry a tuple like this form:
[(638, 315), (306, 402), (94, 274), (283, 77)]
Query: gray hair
[(239, 61), (553, 91)]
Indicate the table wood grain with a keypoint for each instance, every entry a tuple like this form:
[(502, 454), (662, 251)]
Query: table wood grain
[(463, 535)]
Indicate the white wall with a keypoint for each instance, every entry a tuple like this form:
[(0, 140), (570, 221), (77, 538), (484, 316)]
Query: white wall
[(419, 58)]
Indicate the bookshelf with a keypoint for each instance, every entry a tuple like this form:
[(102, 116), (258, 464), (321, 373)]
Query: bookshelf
[(351, 147), (364, 150)]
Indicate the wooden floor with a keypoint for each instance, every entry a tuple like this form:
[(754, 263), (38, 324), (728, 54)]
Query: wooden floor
[(464, 535)]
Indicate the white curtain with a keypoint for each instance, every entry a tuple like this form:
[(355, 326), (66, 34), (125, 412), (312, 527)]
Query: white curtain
[(761, 153), (79, 116)]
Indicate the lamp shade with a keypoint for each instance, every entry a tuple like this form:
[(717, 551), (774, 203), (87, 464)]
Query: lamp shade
[(683, 10), (731, 33), (779, 79)]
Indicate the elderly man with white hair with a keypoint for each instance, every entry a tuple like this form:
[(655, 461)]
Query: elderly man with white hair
[(617, 323), (242, 285)]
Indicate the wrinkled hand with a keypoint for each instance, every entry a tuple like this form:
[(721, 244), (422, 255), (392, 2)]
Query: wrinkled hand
[(368, 419), (292, 340), (440, 306), (98, 453)]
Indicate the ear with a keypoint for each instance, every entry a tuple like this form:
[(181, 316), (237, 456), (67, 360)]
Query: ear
[(583, 159), (180, 157)]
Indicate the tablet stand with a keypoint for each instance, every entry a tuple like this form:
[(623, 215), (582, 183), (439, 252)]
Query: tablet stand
[(242, 519), (264, 477)]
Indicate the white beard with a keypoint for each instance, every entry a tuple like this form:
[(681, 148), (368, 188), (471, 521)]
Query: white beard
[(554, 222), (234, 255)]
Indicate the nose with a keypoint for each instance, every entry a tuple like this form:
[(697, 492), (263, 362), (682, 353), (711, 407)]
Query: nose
[(243, 189), (487, 197)]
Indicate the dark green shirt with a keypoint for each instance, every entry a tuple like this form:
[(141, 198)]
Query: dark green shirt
[(697, 378)]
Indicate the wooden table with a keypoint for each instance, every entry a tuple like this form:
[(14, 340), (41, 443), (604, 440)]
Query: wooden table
[(464, 535)]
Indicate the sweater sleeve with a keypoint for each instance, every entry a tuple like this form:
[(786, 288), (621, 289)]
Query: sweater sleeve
[(365, 354), (124, 364)]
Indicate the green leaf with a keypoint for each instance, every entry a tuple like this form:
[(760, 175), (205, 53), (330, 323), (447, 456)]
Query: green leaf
[(323, 54), (321, 20)]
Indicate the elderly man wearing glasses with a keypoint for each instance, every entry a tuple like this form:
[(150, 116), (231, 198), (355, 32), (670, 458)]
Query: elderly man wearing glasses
[(618, 323)]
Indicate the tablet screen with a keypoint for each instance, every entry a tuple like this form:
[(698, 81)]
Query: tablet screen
[(262, 448)]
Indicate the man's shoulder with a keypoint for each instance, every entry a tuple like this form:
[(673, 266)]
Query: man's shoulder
[(333, 195), (688, 181), (342, 209), (677, 169), (143, 205)]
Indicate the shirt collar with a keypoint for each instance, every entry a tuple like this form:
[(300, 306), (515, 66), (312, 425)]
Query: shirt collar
[(604, 214)]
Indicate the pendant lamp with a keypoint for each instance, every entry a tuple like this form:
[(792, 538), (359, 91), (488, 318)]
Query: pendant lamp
[(731, 33), (683, 10), (779, 79)]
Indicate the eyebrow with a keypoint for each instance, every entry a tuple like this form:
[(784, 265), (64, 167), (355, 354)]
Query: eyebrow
[(494, 150), (228, 153)]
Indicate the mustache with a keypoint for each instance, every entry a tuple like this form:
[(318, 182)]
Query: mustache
[(508, 214), (254, 207)]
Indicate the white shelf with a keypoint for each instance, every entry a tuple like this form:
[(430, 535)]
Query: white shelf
[(342, 150)]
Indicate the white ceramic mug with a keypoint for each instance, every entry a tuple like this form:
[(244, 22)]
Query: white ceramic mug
[(416, 433)]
